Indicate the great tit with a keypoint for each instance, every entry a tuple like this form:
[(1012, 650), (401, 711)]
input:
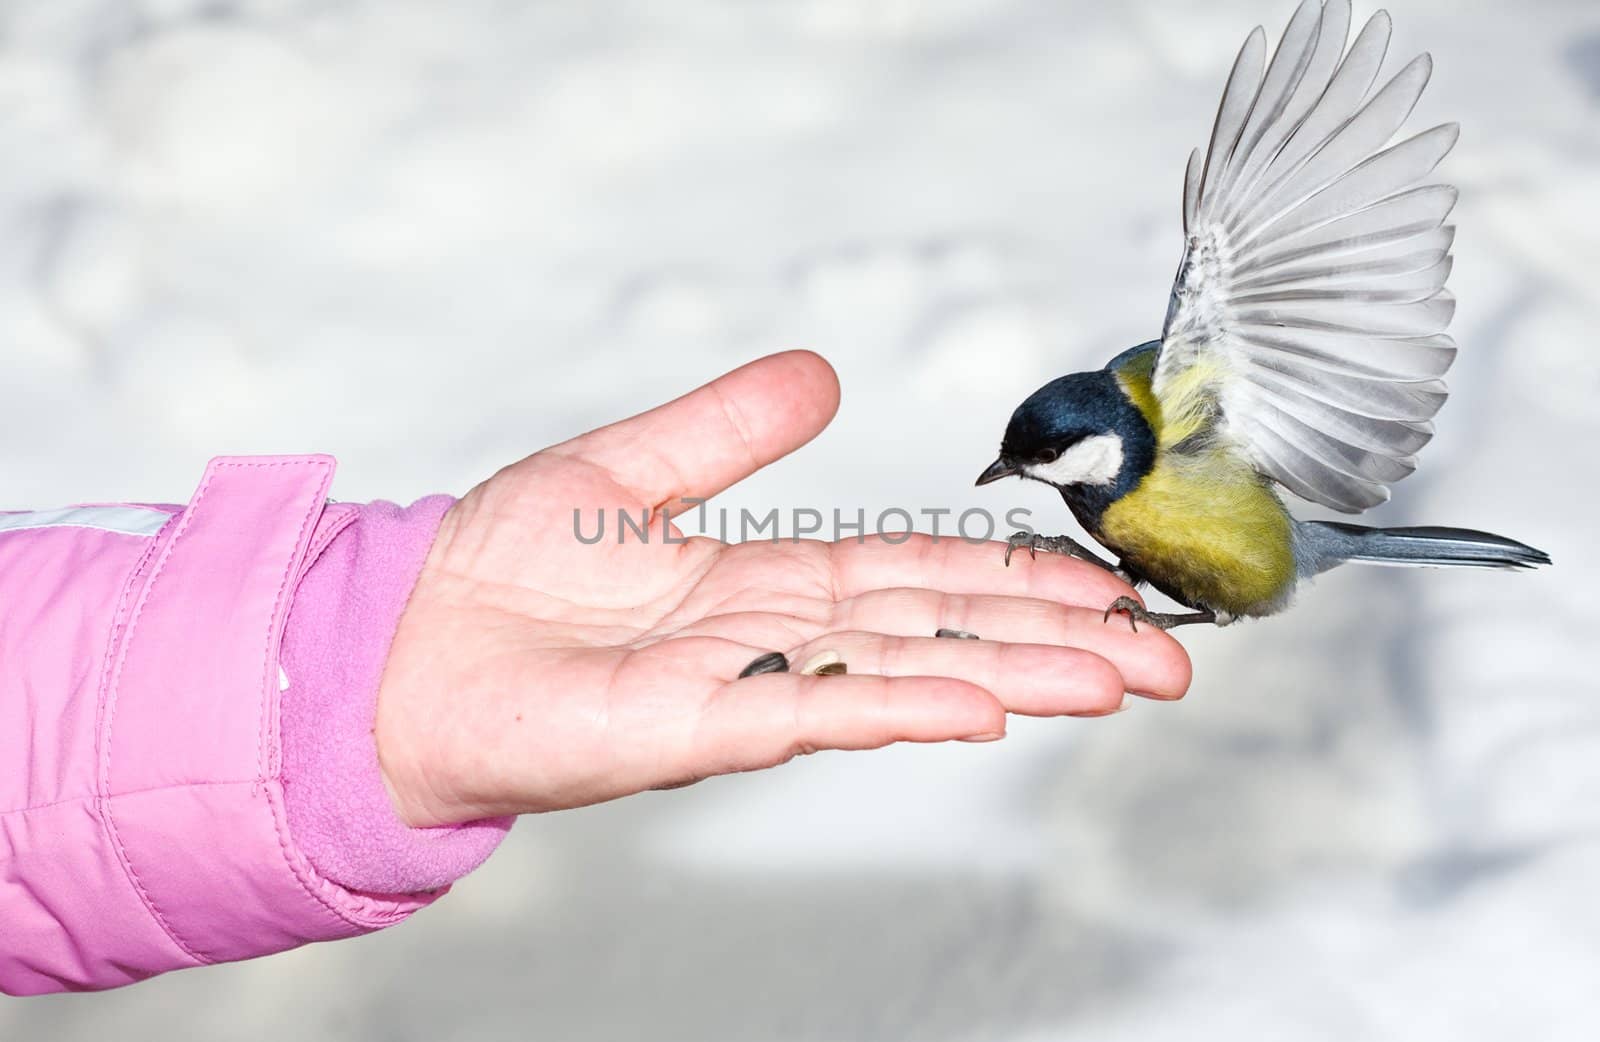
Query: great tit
[(1303, 347)]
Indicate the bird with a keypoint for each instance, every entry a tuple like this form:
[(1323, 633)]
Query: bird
[(1303, 349)]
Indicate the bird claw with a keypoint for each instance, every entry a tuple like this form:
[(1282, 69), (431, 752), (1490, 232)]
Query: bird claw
[(1161, 620), (1021, 540), (1135, 612), (1033, 542)]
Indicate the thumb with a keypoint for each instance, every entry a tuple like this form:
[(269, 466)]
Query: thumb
[(697, 445)]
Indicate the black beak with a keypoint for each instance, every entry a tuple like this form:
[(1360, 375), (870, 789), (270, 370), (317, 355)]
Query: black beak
[(997, 470)]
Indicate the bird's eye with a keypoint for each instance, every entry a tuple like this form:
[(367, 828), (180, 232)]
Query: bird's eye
[(1047, 456)]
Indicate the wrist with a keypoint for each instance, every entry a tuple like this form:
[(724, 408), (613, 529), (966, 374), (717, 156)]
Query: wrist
[(412, 715)]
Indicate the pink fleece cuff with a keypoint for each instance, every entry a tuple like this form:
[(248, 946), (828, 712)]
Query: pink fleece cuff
[(337, 639)]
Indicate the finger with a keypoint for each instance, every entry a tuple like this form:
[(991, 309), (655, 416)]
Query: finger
[(958, 566), (1151, 662), (697, 445), (765, 720), (1032, 679)]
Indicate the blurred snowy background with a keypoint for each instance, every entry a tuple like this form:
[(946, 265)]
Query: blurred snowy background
[(429, 238)]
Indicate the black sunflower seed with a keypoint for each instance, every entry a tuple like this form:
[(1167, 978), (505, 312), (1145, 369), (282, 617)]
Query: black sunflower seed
[(955, 634), (771, 662)]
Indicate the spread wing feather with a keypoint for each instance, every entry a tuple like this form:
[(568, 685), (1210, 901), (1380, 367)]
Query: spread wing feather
[(1307, 319), (1330, 267)]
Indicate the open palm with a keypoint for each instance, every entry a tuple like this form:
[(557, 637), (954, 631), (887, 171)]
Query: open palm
[(532, 671)]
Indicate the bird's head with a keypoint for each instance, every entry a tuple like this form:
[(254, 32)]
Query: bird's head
[(1079, 433)]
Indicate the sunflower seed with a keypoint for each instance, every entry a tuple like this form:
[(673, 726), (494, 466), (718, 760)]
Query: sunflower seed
[(820, 661), (956, 634), (832, 669), (771, 662)]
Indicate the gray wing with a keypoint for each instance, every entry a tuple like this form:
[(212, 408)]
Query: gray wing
[(1309, 310)]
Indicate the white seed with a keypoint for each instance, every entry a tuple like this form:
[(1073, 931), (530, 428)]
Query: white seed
[(820, 661)]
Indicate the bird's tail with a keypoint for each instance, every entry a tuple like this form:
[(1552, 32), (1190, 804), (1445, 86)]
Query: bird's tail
[(1327, 543)]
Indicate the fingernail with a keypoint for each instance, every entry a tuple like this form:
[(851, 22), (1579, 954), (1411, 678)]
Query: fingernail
[(1127, 700), (987, 736)]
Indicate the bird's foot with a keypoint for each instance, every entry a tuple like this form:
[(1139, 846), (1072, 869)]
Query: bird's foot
[(1033, 542), (1161, 620)]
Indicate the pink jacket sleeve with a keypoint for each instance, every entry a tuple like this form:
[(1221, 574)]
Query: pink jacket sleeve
[(187, 772)]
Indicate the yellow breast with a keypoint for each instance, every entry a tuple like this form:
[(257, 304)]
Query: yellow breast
[(1207, 529)]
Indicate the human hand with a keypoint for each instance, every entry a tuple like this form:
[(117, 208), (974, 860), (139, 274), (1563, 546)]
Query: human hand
[(532, 672)]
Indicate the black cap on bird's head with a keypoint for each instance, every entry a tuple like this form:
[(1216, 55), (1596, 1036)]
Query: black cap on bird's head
[(1079, 431)]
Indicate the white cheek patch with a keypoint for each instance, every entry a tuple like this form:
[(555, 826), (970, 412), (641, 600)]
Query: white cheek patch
[(1093, 461)]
